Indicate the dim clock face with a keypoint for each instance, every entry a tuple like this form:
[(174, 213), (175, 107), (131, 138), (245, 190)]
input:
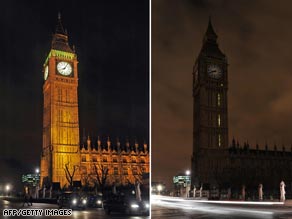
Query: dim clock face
[(64, 68), (46, 73), (214, 71)]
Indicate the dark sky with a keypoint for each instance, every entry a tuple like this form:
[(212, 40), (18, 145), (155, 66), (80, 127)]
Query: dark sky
[(112, 44), (256, 36)]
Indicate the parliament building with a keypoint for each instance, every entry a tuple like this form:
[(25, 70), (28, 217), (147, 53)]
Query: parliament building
[(217, 163), (64, 159)]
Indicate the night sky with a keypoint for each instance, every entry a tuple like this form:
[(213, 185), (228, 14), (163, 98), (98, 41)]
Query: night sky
[(112, 43), (256, 36)]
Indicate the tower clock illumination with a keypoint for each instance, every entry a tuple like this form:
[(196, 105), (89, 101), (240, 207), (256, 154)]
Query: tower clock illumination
[(64, 68)]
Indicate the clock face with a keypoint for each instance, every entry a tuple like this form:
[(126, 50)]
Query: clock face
[(64, 68), (214, 71), (46, 73)]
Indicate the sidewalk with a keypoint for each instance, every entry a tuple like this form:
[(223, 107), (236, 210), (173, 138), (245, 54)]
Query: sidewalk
[(288, 203)]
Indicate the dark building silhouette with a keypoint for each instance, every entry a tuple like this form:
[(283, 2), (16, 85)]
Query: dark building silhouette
[(215, 162)]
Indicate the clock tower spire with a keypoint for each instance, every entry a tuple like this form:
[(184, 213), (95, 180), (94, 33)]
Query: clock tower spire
[(60, 113), (60, 37), (210, 35)]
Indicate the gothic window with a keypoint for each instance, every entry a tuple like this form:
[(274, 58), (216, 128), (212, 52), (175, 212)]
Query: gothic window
[(94, 159), (59, 94), (83, 158), (125, 171), (59, 116), (142, 160), (135, 172), (115, 160), (219, 120), (104, 159), (124, 160), (116, 171), (67, 95), (218, 99), (133, 160)]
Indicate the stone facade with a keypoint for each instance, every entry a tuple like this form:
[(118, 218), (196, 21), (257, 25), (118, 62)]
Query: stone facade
[(125, 163)]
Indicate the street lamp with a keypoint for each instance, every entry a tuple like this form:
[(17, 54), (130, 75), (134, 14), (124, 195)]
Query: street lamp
[(37, 183), (7, 188), (188, 173), (159, 188)]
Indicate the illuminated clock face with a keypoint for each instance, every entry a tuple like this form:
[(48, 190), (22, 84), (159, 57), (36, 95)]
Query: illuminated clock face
[(214, 71), (46, 73), (64, 68)]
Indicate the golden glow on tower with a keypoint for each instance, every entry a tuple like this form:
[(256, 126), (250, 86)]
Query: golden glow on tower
[(60, 112)]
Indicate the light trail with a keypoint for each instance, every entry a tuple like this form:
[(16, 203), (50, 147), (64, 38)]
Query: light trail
[(198, 205), (178, 199)]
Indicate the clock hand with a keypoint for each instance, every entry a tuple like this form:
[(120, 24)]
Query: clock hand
[(64, 67)]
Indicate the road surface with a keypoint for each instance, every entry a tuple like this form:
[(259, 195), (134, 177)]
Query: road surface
[(176, 208)]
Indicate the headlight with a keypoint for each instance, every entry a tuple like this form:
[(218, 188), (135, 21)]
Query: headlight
[(84, 201), (134, 206), (98, 202), (74, 201), (146, 205)]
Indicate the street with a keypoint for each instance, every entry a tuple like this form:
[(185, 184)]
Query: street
[(77, 214), (167, 207)]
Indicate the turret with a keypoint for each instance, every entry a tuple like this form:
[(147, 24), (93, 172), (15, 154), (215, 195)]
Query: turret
[(98, 144), (88, 143)]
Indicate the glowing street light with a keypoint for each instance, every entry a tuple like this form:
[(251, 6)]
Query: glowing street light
[(159, 188), (7, 188), (37, 170), (188, 173)]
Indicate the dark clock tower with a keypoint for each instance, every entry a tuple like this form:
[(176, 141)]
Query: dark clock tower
[(210, 118)]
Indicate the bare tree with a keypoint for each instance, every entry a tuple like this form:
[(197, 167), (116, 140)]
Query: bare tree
[(69, 175), (138, 176), (100, 175)]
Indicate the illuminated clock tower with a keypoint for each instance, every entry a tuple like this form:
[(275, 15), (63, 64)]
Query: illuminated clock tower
[(60, 111), (210, 117)]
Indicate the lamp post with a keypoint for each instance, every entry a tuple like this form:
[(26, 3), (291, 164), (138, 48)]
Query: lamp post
[(37, 183), (188, 173)]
